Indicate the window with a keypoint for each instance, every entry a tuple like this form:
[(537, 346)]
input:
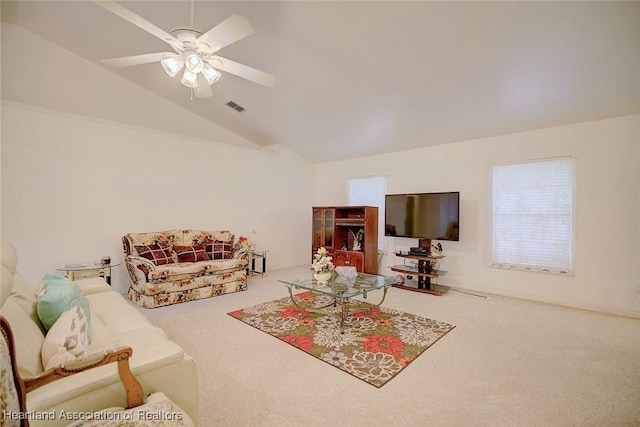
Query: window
[(369, 191), (533, 215)]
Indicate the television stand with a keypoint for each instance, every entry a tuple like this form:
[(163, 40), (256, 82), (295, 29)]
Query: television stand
[(423, 272)]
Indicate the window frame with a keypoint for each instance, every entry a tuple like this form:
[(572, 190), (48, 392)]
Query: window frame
[(532, 266)]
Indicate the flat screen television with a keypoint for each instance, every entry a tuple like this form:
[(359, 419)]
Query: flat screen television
[(434, 216)]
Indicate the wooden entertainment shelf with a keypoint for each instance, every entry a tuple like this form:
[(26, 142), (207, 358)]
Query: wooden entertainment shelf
[(335, 227), (423, 272)]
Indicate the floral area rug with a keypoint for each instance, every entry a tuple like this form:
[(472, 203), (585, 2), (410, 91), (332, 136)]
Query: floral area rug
[(376, 344)]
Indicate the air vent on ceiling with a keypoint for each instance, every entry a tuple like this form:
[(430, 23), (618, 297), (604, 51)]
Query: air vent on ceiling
[(235, 106)]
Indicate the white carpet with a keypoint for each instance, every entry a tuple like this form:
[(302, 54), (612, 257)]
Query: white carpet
[(508, 362)]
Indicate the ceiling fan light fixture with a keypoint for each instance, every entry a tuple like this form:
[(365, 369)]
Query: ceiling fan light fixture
[(172, 64), (194, 50), (211, 74), (189, 79), (194, 63)]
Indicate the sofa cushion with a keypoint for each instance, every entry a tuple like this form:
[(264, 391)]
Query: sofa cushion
[(199, 236), (28, 338), (159, 255), (114, 319), (67, 339), (93, 285), (58, 294), (112, 311), (25, 296), (178, 271), (162, 238), (220, 249), (119, 324), (191, 253)]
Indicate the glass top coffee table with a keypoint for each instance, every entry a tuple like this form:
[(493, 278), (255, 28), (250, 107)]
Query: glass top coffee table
[(340, 290)]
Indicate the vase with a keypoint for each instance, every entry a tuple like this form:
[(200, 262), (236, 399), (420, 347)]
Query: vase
[(322, 278)]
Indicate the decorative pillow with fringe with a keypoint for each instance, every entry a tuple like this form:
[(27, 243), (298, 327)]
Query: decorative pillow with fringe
[(67, 339)]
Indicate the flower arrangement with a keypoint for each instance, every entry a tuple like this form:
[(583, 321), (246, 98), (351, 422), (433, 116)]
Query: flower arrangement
[(322, 262)]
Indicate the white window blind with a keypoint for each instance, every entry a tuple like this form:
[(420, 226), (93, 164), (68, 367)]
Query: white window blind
[(533, 215), (369, 191)]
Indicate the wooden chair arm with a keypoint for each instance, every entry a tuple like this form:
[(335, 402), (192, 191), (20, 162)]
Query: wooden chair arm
[(121, 355)]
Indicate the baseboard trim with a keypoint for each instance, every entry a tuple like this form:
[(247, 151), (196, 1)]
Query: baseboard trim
[(609, 311)]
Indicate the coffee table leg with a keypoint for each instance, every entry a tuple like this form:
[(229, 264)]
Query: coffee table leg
[(344, 314), (384, 295), (312, 309), (344, 303)]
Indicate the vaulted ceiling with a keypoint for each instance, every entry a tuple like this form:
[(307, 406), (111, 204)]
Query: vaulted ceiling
[(362, 78)]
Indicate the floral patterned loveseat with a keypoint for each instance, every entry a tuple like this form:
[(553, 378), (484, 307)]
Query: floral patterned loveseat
[(169, 267)]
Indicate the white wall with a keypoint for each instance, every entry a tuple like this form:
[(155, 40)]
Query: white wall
[(73, 186), (607, 255), (74, 183)]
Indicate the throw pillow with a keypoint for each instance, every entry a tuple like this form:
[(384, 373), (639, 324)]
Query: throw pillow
[(67, 339), (194, 253), (220, 250), (56, 295), (159, 255)]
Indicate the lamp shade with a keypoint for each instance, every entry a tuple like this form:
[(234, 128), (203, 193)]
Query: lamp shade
[(211, 74), (193, 65), (172, 64), (189, 79)]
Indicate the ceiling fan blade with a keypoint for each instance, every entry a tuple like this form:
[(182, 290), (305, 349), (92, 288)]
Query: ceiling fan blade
[(230, 30), (243, 71), (203, 90), (138, 21), (127, 61)]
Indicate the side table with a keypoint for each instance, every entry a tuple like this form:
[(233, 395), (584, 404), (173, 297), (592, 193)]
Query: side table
[(80, 270), (261, 255)]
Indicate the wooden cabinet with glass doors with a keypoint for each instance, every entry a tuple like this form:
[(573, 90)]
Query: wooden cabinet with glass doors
[(350, 234), (322, 233)]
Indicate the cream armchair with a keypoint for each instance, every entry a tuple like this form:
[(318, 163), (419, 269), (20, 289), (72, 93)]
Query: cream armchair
[(158, 410)]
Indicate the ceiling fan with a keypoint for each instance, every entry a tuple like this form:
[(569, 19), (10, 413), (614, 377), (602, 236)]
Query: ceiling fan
[(194, 50)]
